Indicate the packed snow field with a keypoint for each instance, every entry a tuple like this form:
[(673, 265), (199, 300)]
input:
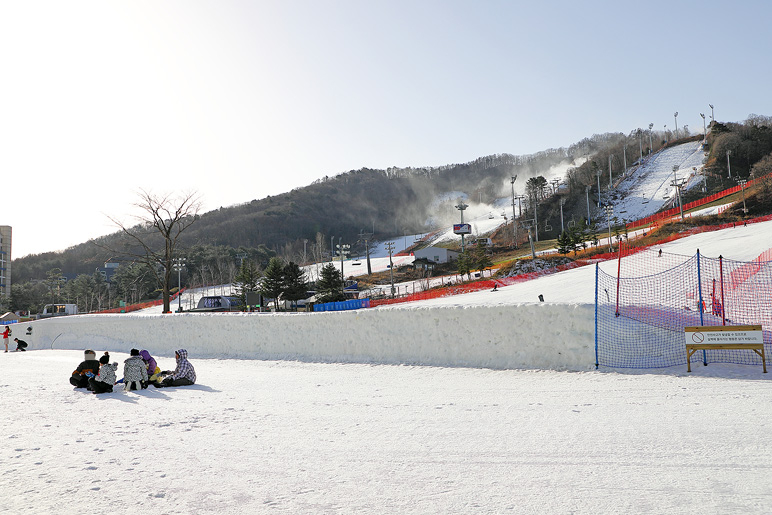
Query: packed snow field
[(291, 437)]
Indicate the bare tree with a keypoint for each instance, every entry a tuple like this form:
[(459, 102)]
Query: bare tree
[(164, 215)]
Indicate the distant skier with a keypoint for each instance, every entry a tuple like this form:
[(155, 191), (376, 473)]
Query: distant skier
[(21, 345), (495, 287)]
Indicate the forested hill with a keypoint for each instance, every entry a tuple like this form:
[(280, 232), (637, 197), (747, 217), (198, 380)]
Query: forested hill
[(388, 202)]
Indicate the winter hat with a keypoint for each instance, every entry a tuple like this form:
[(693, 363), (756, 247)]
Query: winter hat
[(90, 354), (135, 352), (104, 359)]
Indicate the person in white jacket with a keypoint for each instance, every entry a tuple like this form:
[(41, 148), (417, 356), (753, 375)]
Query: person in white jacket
[(104, 381), (134, 372)]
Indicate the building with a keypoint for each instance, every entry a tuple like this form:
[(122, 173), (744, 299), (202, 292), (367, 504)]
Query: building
[(5, 260), (436, 254)]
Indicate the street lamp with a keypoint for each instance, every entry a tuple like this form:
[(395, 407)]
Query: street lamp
[(640, 145), (742, 182), (461, 207), (514, 219), (666, 141), (712, 118), (704, 128), (609, 213), (178, 265), (728, 166), (651, 126), (676, 124), (587, 193), (677, 186), (609, 172), (598, 171)]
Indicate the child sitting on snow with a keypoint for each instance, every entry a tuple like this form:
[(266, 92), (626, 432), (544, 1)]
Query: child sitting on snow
[(153, 370), (104, 381), (134, 372)]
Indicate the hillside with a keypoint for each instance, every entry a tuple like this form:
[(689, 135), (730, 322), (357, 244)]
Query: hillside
[(299, 225)]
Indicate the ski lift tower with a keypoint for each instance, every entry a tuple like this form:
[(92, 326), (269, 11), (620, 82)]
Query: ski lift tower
[(529, 225), (365, 236)]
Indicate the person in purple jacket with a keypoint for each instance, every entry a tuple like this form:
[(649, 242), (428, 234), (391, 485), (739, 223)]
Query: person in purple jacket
[(152, 366), (183, 375)]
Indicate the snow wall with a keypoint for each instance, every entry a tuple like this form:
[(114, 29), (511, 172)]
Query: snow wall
[(532, 336)]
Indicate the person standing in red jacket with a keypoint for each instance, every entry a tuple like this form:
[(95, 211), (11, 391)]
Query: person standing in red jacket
[(6, 335)]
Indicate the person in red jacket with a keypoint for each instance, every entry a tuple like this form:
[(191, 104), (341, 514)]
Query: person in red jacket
[(6, 335)]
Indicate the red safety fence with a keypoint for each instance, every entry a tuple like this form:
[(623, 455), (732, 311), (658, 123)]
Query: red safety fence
[(691, 205), (141, 305)]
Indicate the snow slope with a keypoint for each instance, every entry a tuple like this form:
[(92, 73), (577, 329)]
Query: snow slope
[(298, 436)]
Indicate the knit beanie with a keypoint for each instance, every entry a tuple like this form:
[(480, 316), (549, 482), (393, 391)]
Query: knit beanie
[(104, 359), (90, 354)]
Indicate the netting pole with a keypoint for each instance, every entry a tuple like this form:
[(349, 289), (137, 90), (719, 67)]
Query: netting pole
[(619, 272), (702, 319), (596, 315), (723, 304)]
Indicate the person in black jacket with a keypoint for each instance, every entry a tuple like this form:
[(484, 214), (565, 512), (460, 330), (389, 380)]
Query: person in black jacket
[(79, 378), (21, 345)]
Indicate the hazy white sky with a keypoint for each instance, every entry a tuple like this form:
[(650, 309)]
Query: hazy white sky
[(243, 99)]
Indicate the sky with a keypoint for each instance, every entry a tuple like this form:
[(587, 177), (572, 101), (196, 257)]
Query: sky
[(238, 100), (512, 418)]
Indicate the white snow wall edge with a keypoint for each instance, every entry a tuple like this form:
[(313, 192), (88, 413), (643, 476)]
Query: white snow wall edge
[(531, 336)]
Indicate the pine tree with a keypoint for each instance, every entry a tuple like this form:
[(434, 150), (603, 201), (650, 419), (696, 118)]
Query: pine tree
[(481, 258), (329, 287), (464, 264), (247, 280), (295, 285), (564, 243), (272, 284)]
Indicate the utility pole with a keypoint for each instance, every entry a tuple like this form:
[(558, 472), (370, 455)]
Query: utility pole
[(562, 228), (610, 184), (704, 129), (728, 166), (390, 248), (366, 237), (587, 192), (514, 218), (535, 217)]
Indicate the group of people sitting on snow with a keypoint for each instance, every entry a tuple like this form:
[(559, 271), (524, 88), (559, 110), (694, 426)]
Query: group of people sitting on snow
[(140, 370)]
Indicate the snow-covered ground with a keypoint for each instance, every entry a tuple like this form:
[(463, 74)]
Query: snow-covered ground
[(313, 436)]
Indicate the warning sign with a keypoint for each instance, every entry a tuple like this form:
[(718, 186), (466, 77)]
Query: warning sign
[(723, 334)]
